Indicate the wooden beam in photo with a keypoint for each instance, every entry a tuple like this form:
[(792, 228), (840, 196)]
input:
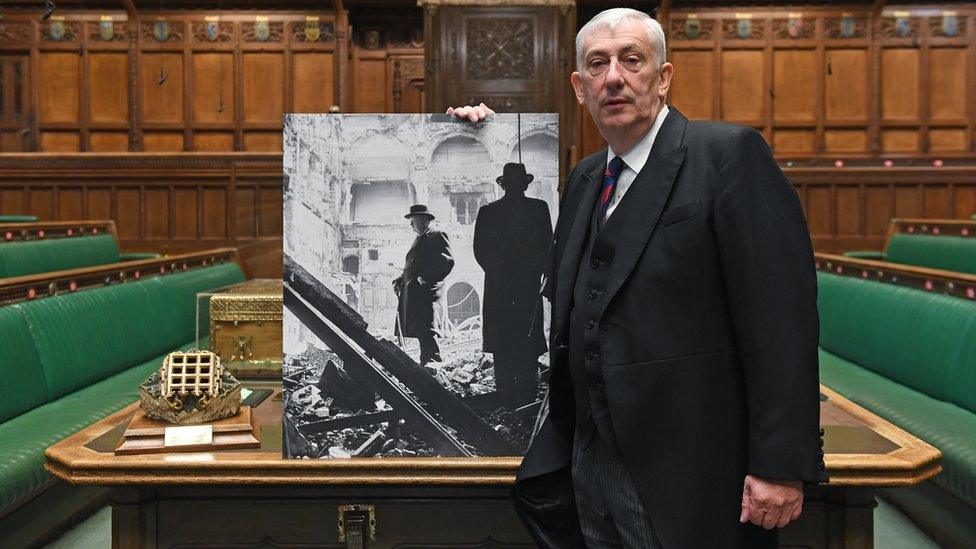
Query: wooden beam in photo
[(441, 401), (419, 419)]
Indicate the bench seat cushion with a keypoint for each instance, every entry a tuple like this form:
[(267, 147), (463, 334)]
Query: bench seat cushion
[(24, 439), (923, 340), (948, 427)]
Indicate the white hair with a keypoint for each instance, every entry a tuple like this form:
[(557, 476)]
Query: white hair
[(611, 18)]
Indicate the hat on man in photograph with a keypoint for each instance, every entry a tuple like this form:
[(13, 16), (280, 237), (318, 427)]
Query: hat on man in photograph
[(514, 172), (419, 209)]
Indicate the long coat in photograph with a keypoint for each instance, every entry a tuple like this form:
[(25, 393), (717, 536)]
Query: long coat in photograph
[(707, 333), (429, 258), (511, 239)]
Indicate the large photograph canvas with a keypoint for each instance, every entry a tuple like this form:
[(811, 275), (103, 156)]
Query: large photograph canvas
[(414, 250)]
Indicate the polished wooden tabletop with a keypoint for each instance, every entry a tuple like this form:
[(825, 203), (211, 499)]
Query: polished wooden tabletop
[(861, 449)]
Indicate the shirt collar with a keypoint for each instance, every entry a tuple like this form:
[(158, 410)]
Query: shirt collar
[(636, 157)]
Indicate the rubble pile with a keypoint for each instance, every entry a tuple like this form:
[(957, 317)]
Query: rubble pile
[(468, 373)]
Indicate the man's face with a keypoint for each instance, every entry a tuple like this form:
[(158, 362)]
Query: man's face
[(622, 83), (419, 223)]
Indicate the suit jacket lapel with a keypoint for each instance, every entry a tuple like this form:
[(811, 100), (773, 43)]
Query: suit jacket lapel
[(649, 193), (589, 190)]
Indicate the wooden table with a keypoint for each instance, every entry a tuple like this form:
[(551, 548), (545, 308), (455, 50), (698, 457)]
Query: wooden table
[(255, 498)]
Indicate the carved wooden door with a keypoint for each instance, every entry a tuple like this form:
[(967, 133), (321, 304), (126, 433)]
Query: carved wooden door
[(508, 57), (513, 58), (14, 118)]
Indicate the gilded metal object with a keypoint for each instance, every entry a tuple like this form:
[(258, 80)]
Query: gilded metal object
[(194, 373), (370, 510)]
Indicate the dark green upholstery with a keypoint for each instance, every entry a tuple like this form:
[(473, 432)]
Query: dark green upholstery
[(78, 357), (21, 377), (910, 357), (56, 254), (951, 253), (18, 218), (24, 438), (946, 426), (923, 340)]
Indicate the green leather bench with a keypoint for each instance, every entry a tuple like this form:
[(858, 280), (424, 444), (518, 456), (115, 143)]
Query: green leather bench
[(72, 359), (17, 218), (909, 356), (31, 248), (947, 244)]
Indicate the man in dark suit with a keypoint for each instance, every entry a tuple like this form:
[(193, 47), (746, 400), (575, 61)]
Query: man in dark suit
[(511, 238), (684, 391), (420, 287)]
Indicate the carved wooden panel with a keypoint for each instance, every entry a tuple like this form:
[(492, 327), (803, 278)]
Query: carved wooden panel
[(794, 91), (899, 84), (162, 141), (846, 81), (108, 75), (14, 102), (500, 48), (312, 77), (109, 141), (52, 141), (693, 86), (513, 58), (947, 82), (743, 95), (213, 87), (162, 87), (264, 90), (59, 77)]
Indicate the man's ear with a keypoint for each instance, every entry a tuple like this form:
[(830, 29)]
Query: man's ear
[(577, 82), (667, 73)]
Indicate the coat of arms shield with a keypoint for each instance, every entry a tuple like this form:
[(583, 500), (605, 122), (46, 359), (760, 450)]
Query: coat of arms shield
[(262, 30), (847, 27), (161, 31), (950, 25), (312, 31), (744, 27), (56, 30), (106, 29)]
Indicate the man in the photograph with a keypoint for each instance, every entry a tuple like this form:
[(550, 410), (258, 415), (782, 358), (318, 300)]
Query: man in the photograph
[(511, 238), (684, 406), (420, 287)]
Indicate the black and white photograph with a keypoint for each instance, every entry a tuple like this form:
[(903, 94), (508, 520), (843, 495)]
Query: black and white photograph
[(415, 247)]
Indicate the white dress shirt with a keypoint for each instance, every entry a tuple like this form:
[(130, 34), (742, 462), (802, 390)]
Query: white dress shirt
[(634, 160)]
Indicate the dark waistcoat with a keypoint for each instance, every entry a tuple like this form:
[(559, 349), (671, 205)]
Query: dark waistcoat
[(589, 296)]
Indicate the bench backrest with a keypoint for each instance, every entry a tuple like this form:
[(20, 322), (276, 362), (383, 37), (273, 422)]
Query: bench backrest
[(56, 345), (924, 340), (41, 256), (951, 253)]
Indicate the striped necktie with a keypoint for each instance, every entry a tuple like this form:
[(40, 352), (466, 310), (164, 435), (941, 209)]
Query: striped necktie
[(610, 176)]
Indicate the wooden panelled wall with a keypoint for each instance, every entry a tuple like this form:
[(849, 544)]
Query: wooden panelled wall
[(161, 202), (832, 83), (167, 81)]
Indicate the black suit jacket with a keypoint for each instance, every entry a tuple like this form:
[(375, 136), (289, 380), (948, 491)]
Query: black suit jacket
[(708, 338)]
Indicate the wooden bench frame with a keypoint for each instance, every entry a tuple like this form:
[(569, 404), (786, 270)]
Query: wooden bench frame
[(48, 230), (950, 283), (36, 286)]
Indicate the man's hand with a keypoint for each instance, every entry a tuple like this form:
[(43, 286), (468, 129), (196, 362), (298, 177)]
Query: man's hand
[(474, 114), (771, 503)]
